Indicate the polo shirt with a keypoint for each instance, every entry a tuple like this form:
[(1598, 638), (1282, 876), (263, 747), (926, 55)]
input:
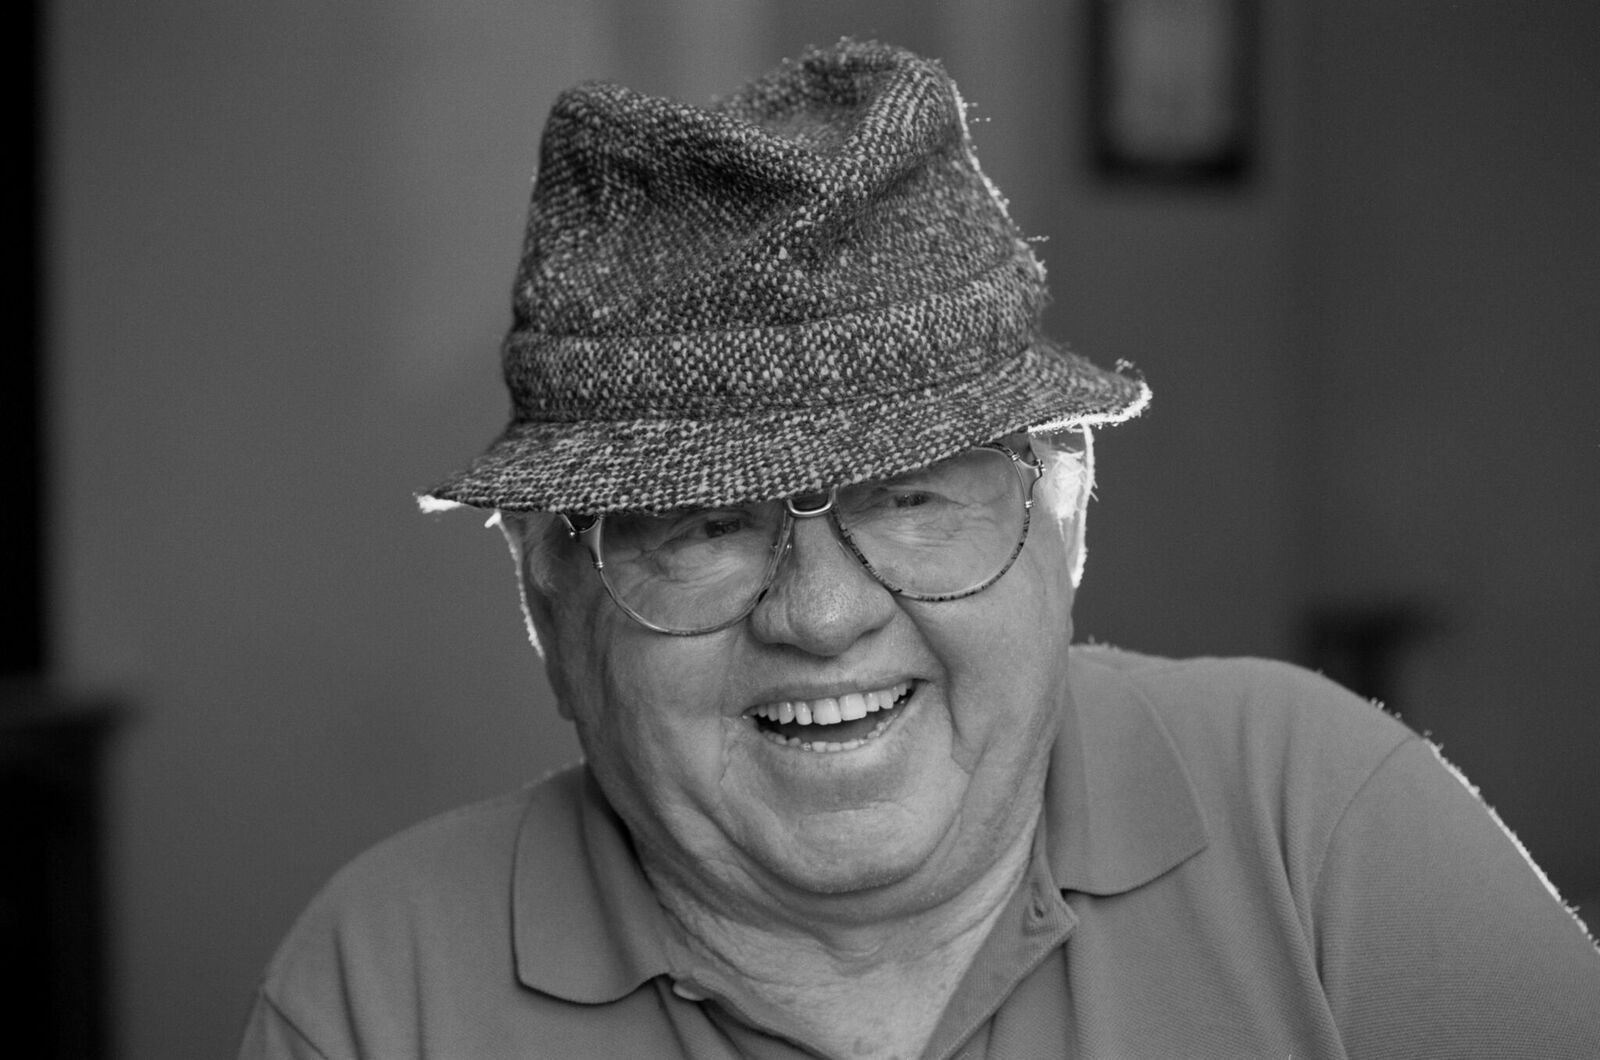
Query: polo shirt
[(1235, 858)]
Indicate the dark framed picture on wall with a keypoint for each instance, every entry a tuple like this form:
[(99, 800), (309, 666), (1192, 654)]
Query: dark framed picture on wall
[(1172, 87)]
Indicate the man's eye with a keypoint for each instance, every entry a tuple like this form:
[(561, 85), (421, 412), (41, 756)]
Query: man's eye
[(911, 500), (720, 526)]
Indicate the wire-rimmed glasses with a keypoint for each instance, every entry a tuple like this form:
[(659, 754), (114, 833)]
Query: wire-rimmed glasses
[(943, 532)]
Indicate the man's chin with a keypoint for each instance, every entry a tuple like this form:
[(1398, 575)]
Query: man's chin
[(876, 877), (854, 879)]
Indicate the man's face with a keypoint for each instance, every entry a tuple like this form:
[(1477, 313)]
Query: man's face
[(680, 730)]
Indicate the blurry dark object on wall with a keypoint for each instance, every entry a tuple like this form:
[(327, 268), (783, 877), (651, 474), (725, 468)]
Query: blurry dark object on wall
[(52, 928), (51, 925), (1172, 90), (1364, 645)]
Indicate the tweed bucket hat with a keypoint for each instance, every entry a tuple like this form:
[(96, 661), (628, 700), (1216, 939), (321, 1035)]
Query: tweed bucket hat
[(806, 283)]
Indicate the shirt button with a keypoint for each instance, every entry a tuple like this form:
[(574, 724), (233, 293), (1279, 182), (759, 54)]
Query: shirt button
[(687, 990)]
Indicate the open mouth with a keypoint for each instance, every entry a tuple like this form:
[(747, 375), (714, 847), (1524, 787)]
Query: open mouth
[(831, 724)]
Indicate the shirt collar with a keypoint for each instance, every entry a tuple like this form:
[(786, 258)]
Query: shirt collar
[(1119, 812), (1119, 807), (585, 922)]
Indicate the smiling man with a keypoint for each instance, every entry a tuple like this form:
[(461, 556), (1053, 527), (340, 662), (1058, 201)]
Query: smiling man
[(797, 492)]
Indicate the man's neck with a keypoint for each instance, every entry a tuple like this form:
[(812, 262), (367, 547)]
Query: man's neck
[(851, 989)]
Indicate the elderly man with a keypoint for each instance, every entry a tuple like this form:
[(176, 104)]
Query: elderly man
[(796, 489)]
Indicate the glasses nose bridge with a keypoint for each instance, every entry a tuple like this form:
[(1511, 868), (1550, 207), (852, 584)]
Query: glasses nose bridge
[(793, 504), (795, 509), (821, 602)]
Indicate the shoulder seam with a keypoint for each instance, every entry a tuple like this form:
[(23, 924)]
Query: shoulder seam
[(1406, 739), (277, 1010)]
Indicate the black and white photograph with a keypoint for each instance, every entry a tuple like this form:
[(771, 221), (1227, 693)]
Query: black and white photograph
[(803, 530)]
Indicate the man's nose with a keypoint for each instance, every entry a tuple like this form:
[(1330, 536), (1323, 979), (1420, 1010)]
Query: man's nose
[(822, 600)]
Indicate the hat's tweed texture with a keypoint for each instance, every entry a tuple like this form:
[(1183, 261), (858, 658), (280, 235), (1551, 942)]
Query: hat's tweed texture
[(807, 283)]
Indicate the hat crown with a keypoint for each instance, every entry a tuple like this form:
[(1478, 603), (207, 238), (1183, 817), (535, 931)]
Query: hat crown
[(687, 260), (806, 283)]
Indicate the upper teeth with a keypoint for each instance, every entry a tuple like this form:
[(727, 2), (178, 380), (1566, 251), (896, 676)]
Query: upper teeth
[(830, 710)]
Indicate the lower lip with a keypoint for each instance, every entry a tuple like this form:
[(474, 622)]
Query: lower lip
[(822, 747)]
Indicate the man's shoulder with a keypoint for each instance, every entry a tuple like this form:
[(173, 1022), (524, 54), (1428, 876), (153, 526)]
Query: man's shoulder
[(415, 936), (1249, 728), (435, 877), (1272, 755), (459, 843), (1203, 674), (1212, 698)]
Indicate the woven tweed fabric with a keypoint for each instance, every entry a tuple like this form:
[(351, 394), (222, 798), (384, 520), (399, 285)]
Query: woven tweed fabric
[(807, 283)]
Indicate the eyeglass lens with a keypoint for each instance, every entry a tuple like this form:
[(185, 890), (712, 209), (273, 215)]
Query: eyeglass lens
[(939, 532)]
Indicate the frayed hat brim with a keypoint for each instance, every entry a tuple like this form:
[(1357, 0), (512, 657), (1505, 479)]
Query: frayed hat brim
[(684, 462)]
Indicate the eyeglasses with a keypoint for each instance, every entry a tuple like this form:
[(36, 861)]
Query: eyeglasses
[(940, 533)]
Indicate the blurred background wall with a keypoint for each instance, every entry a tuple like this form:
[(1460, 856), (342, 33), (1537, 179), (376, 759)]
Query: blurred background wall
[(280, 244)]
